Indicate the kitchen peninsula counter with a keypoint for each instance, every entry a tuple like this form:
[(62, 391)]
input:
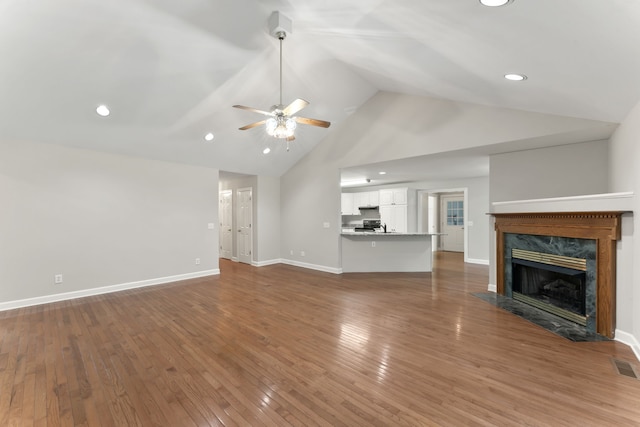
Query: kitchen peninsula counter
[(386, 252)]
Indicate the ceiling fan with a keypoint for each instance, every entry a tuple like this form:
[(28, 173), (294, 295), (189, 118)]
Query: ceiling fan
[(282, 122)]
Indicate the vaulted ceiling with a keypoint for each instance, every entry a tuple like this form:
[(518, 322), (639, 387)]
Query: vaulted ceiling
[(171, 70)]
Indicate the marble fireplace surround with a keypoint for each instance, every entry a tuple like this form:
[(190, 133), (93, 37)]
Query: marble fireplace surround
[(602, 226)]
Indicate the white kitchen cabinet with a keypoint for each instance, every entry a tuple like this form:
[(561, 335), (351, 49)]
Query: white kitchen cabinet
[(374, 198), (347, 205), (395, 217), (360, 199), (393, 196)]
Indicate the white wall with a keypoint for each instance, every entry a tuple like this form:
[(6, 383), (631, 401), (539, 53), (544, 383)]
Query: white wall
[(100, 220), (566, 170), (393, 126), (625, 176), (268, 220)]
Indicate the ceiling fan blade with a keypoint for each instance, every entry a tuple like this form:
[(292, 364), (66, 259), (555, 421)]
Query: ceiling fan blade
[(312, 122), (255, 110), (294, 107), (252, 125)]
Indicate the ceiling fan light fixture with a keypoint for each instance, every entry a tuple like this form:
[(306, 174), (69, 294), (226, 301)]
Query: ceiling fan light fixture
[(280, 127)]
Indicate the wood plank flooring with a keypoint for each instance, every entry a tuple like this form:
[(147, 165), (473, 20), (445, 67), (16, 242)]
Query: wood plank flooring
[(280, 346)]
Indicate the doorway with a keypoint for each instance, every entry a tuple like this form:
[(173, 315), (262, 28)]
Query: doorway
[(244, 222), (226, 224)]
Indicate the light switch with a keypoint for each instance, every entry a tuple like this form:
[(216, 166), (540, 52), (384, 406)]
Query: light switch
[(325, 225), (210, 226)]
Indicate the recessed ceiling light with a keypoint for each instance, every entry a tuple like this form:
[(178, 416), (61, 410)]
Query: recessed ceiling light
[(266, 150), (495, 3), (103, 110), (382, 173), (208, 137), (515, 77)]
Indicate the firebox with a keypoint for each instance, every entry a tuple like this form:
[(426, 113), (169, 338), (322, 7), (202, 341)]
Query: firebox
[(553, 283)]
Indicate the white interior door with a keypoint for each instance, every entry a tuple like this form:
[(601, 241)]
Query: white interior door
[(244, 220), (226, 224), (452, 222)]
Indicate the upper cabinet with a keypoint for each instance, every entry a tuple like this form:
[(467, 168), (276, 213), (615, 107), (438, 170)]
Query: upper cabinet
[(393, 196), (347, 206)]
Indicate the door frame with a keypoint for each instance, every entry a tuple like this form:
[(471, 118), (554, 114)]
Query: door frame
[(422, 210)]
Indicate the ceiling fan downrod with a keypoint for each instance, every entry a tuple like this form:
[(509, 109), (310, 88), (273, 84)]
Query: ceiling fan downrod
[(281, 36)]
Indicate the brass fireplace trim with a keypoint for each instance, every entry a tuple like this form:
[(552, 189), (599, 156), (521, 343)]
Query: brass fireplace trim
[(603, 227), (550, 259)]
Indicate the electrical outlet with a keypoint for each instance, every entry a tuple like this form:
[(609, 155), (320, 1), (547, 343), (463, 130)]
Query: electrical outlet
[(210, 226), (302, 253), (326, 224), (373, 244), (197, 261), (57, 279)]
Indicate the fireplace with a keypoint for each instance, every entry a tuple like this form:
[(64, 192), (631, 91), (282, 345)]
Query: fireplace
[(556, 284), (561, 262)]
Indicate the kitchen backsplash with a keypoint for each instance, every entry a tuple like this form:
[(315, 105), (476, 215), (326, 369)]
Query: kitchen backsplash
[(357, 219)]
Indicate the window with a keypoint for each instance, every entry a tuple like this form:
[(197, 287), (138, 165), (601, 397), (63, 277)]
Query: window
[(455, 212)]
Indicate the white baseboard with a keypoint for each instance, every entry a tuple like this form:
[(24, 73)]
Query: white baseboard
[(630, 340), (477, 261), (267, 262), (10, 305), (312, 266), (492, 288)]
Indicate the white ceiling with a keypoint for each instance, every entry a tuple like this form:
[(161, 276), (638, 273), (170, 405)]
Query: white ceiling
[(171, 70)]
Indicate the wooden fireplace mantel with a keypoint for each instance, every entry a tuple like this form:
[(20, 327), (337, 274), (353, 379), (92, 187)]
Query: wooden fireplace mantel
[(603, 227)]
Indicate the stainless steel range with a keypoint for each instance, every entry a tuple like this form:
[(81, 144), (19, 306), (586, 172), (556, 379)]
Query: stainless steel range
[(369, 225)]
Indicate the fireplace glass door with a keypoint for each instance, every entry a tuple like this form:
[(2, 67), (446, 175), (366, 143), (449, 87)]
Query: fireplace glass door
[(557, 289)]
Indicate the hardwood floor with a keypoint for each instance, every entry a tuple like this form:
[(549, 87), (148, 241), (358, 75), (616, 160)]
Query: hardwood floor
[(280, 345)]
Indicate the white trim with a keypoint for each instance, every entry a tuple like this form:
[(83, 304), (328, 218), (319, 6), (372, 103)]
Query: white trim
[(492, 288), (312, 266), (627, 194), (477, 261), (630, 340), (235, 259), (586, 203), (265, 263), (10, 305)]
